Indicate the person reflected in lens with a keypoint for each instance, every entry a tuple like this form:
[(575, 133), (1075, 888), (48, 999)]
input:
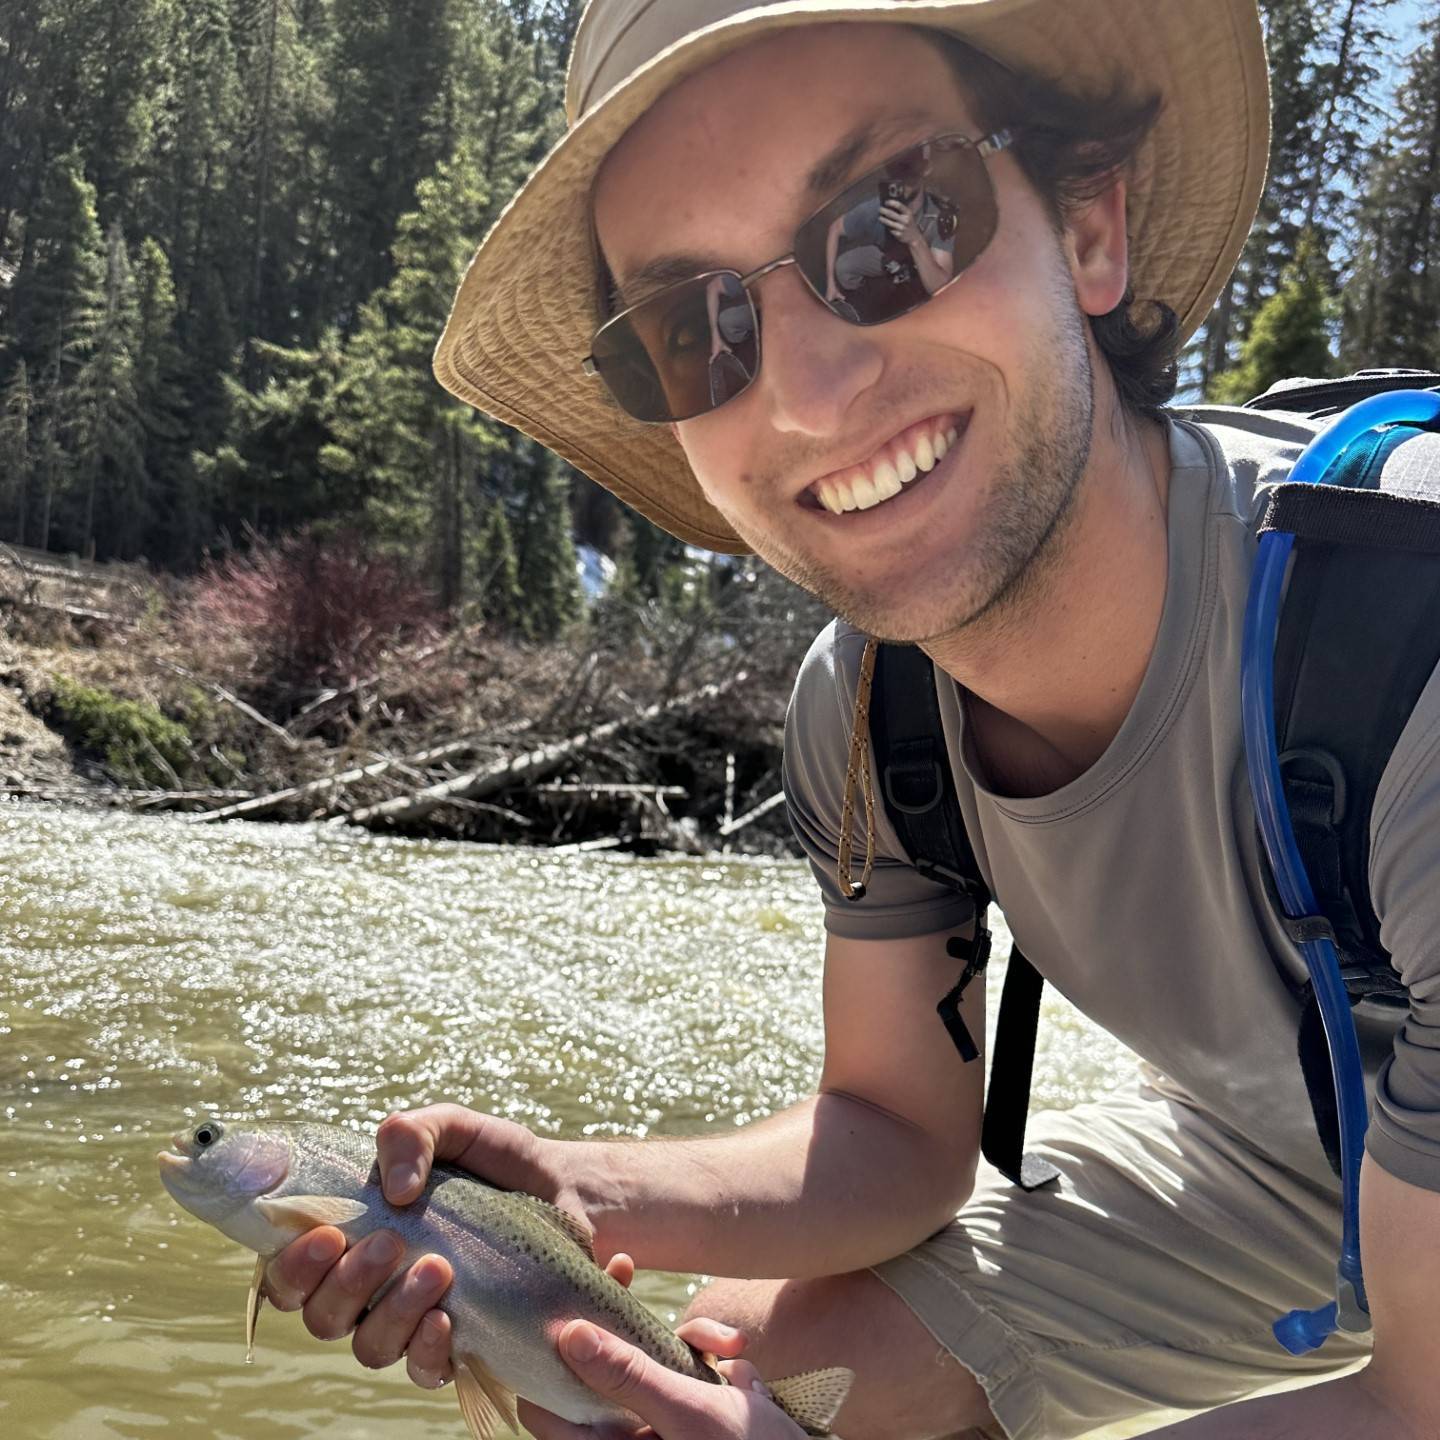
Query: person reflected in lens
[(731, 324)]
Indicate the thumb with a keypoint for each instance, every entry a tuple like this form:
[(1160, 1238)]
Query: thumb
[(630, 1378), (410, 1142)]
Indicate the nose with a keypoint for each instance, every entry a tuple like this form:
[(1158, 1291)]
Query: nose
[(814, 365)]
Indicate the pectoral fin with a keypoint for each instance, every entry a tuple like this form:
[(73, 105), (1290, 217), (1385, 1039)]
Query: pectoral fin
[(484, 1402), (305, 1212), (812, 1400), (253, 1301)]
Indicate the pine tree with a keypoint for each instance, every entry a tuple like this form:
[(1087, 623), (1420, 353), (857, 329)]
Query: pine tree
[(1290, 334), (1392, 304), (166, 522), (497, 576), (106, 425), (57, 297), (16, 405), (405, 449), (549, 580)]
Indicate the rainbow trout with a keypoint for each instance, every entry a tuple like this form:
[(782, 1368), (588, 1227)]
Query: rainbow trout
[(523, 1268)]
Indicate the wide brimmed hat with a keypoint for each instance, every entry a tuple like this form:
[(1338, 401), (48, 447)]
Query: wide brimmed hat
[(529, 304)]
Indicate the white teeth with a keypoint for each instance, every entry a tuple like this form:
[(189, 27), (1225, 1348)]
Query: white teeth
[(886, 480), (864, 492), (859, 491)]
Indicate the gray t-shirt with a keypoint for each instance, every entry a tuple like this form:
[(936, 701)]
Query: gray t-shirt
[(1135, 889)]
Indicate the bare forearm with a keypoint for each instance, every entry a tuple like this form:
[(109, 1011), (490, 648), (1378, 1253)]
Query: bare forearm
[(830, 1185)]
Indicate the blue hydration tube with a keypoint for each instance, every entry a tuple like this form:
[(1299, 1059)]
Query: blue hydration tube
[(1305, 1330)]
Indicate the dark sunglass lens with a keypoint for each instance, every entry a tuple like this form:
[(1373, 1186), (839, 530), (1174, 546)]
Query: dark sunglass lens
[(896, 237), (682, 352)]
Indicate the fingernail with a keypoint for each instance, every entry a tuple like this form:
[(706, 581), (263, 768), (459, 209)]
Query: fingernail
[(323, 1246), (403, 1179), (583, 1344), (387, 1247), (726, 1330)]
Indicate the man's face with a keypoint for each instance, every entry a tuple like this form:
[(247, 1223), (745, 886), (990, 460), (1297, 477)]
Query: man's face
[(719, 170)]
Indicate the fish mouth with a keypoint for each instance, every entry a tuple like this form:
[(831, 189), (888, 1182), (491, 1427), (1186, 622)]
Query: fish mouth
[(173, 1165)]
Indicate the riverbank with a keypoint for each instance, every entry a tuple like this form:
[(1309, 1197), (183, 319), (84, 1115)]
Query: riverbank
[(599, 739)]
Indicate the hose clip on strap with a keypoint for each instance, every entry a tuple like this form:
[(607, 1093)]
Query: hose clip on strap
[(976, 955), (1308, 927)]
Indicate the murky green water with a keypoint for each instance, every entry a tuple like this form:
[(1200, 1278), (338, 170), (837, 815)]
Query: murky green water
[(151, 972)]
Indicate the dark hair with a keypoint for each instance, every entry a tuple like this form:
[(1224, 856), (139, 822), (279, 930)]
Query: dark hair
[(1071, 148)]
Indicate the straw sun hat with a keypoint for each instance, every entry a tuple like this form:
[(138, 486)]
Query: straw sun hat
[(529, 304)]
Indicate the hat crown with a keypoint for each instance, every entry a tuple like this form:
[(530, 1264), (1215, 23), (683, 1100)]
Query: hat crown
[(616, 37)]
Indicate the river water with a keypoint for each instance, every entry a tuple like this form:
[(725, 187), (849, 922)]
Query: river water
[(152, 972)]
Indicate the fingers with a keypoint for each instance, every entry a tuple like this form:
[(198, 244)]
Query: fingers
[(427, 1360), (383, 1335), (621, 1267), (410, 1142), (713, 1338), (679, 1408), (296, 1272), (336, 1303)]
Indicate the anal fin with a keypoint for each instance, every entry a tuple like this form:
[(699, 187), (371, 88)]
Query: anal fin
[(484, 1402), (253, 1301), (813, 1399)]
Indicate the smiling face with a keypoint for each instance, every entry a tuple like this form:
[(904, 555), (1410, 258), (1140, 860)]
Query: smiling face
[(985, 392)]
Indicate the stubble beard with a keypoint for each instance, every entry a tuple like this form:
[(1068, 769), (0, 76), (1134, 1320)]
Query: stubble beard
[(1019, 535)]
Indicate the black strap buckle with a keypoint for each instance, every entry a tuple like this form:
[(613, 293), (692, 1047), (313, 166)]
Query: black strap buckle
[(975, 952), (914, 787)]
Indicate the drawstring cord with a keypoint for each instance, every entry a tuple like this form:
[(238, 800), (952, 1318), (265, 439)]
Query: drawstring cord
[(859, 767)]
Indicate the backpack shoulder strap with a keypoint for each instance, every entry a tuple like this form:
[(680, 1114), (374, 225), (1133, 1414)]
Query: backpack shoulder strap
[(1359, 637), (917, 787)]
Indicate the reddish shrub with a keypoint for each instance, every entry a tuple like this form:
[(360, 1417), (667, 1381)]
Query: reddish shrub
[(305, 613)]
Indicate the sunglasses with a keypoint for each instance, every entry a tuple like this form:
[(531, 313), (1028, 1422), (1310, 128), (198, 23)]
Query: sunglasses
[(885, 245)]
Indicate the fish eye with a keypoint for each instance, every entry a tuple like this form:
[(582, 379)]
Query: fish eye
[(209, 1133)]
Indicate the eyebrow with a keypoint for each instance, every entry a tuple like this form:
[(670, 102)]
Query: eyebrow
[(827, 176)]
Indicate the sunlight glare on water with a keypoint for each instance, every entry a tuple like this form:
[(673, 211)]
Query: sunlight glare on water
[(152, 972)]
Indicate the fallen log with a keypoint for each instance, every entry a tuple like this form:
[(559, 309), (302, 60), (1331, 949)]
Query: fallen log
[(763, 808), (668, 792), (524, 767), (248, 711), (258, 804)]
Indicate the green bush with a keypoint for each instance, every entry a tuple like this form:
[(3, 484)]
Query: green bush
[(138, 744)]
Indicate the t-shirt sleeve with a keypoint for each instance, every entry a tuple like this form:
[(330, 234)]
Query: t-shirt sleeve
[(899, 902), (1404, 1134)]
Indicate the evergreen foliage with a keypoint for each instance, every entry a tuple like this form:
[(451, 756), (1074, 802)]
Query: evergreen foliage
[(230, 231), (549, 582), (497, 572), (1289, 336)]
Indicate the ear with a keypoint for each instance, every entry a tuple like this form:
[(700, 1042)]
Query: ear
[(1098, 252)]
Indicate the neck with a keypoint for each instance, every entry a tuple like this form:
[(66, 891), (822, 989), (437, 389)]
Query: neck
[(1053, 674)]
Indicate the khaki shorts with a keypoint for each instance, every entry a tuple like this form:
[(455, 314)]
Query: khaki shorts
[(1140, 1289)]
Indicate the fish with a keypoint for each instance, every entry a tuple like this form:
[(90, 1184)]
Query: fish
[(523, 1267)]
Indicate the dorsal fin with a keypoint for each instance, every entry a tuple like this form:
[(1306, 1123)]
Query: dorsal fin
[(564, 1222)]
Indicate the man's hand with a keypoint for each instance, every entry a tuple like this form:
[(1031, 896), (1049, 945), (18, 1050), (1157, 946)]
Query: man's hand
[(673, 1407), (335, 1286)]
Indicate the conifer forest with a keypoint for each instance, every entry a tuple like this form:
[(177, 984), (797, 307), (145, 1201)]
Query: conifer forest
[(230, 232)]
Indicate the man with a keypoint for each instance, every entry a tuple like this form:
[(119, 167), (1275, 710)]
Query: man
[(982, 466)]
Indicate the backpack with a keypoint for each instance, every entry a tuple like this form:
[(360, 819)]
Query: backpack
[(1359, 636)]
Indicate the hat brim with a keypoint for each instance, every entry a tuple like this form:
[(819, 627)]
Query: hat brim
[(528, 306)]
